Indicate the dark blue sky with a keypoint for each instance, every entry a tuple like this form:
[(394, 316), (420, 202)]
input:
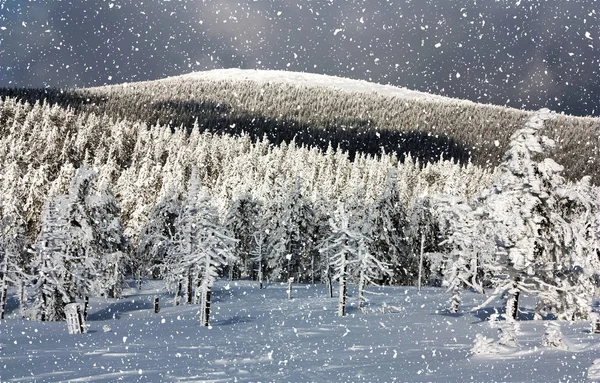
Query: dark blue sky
[(525, 54)]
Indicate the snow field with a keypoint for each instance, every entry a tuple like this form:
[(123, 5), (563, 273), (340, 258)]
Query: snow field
[(261, 336)]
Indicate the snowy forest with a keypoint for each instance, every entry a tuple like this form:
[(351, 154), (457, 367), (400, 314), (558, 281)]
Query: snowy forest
[(90, 198)]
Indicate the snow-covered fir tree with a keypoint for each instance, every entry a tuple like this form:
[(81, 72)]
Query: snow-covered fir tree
[(543, 228), (569, 270), (386, 225), (80, 249), (112, 246), (200, 248), (14, 257), (291, 240), (343, 246), (54, 264), (470, 250), (243, 221), (156, 237)]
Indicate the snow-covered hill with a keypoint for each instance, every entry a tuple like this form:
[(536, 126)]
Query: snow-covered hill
[(310, 80)]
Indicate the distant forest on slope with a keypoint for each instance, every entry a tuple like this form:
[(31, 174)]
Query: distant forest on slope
[(371, 123)]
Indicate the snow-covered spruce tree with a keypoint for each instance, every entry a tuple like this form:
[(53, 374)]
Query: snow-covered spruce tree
[(156, 237), (469, 250), (55, 264), (343, 245), (386, 226), (179, 273), (292, 240), (243, 222), (259, 256), (200, 248), (370, 270), (80, 248), (423, 235), (535, 223), (14, 257), (567, 277), (112, 246)]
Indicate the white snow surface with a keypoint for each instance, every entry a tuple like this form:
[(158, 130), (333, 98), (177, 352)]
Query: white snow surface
[(261, 336), (311, 80)]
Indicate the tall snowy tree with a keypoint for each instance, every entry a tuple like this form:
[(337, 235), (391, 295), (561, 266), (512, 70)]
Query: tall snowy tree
[(570, 267), (243, 222), (470, 249), (292, 239), (111, 245), (201, 248), (55, 285), (386, 226), (543, 229), (80, 249), (14, 257), (156, 237)]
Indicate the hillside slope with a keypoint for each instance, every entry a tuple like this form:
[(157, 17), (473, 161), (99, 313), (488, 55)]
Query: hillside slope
[(356, 115), (319, 111)]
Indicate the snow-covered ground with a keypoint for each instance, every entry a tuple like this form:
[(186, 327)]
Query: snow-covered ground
[(261, 336)]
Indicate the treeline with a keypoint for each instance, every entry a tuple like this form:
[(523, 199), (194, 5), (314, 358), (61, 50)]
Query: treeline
[(62, 227), (88, 199), (316, 116)]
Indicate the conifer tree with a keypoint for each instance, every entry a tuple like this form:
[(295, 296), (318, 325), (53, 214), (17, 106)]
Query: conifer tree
[(242, 222), (386, 226), (292, 238)]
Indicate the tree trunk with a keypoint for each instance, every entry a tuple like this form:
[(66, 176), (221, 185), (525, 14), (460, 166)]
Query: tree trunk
[(178, 293), (22, 298), (205, 307), (455, 300), (329, 286), (156, 307), (190, 292), (512, 301), (86, 305), (260, 275), (4, 286), (312, 269), (342, 297), (343, 287), (3, 299), (361, 290), (290, 281), (421, 260)]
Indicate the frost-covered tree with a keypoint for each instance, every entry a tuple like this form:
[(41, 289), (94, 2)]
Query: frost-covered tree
[(110, 243), (423, 235), (292, 240), (200, 248), (544, 229), (80, 249), (243, 221), (386, 226), (156, 237), (518, 207), (470, 250), (343, 245), (570, 267), (54, 265), (14, 257)]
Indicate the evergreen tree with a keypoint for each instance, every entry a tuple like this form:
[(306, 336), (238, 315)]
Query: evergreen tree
[(157, 236), (292, 238), (243, 221), (386, 226)]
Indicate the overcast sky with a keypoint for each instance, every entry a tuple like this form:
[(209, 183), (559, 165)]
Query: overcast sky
[(525, 54)]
